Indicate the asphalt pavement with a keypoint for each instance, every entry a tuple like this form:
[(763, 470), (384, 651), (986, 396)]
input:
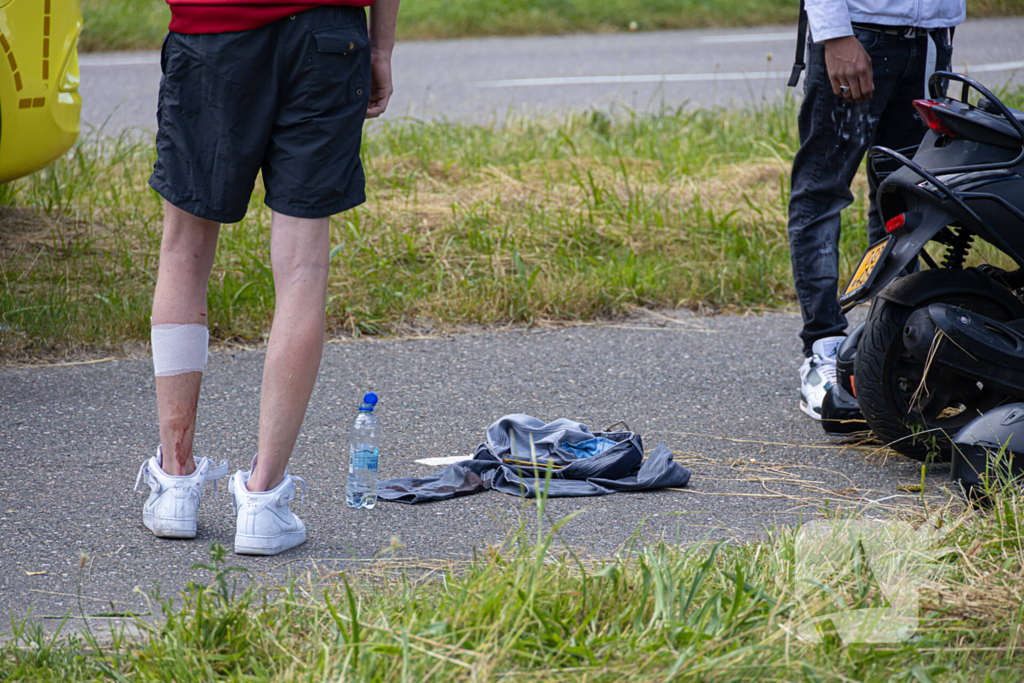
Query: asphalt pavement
[(720, 391), (484, 80)]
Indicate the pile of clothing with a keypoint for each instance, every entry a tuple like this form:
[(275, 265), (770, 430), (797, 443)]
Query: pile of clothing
[(521, 452)]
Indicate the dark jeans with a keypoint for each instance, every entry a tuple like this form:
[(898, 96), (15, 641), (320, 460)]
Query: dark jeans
[(834, 136)]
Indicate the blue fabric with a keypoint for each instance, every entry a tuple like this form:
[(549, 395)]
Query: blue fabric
[(588, 448)]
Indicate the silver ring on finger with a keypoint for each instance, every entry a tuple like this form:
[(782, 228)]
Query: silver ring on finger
[(844, 90)]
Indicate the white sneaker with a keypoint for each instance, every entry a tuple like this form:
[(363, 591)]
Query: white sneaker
[(173, 502), (818, 374), (265, 525)]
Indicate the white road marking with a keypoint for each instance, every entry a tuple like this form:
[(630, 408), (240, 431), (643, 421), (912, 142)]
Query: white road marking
[(138, 60), (447, 460), (689, 78), (748, 38), (637, 78), (996, 66)]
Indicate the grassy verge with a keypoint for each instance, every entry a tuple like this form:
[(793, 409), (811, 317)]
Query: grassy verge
[(135, 24), (564, 219), (532, 612)]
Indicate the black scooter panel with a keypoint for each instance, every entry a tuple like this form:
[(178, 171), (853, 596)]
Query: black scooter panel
[(908, 242)]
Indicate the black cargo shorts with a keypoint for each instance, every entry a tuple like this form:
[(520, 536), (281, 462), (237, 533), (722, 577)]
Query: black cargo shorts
[(288, 98)]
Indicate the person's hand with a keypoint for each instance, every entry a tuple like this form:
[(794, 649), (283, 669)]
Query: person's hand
[(380, 84), (849, 69)]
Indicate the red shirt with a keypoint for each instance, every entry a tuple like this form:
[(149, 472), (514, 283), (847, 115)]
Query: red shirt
[(226, 16)]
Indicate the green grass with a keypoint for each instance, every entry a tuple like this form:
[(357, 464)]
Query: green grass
[(532, 611), (123, 24), (134, 24), (562, 219), (573, 218)]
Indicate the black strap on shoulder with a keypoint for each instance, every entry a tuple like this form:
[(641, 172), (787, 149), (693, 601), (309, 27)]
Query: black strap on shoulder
[(801, 45)]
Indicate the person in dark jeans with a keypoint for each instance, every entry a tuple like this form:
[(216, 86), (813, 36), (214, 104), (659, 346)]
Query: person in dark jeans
[(864, 70)]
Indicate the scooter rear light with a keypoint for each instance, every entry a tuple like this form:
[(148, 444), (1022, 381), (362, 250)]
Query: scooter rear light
[(895, 223), (931, 119)]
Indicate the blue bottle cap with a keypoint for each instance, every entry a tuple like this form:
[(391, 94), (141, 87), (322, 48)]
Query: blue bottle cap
[(370, 398)]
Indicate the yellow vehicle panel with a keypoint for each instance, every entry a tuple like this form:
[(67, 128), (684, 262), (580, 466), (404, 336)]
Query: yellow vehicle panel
[(40, 107)]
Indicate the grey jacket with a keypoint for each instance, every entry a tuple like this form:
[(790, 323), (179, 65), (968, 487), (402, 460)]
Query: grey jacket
[(506, 462)]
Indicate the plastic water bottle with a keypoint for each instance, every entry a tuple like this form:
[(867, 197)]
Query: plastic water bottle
[(361, 491)]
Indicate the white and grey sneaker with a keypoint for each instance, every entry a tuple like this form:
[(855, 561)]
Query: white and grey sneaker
[(818, 374), (265, 525), (173, 502)]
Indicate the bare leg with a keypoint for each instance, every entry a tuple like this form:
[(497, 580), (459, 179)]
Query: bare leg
[(186, 257), (299, 254)]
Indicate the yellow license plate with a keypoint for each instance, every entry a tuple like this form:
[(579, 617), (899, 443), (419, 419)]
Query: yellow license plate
[(867, 264)]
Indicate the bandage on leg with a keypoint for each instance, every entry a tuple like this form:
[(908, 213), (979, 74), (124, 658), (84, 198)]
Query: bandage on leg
[(178, 349)]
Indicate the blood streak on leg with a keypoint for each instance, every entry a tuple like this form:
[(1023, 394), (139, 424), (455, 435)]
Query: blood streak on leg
[(183, 428)]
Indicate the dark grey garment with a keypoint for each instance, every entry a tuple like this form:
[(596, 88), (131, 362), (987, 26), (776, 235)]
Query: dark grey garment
[(505, 462)]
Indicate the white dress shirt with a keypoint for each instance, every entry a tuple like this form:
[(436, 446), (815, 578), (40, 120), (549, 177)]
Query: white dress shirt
[(833, 18)]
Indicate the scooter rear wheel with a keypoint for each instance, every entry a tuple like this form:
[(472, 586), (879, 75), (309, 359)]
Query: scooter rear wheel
[(917, 424)]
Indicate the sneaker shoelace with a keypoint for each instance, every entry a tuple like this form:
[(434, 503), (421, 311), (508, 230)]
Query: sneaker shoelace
[(217, 472), (826, 370), (144, 469), (303, 482)]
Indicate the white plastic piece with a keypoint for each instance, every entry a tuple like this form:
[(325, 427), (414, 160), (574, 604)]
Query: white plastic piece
[(178, 349), (444, 460)]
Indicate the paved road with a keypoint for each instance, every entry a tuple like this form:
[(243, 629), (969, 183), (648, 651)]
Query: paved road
[(719, 391), (485, 79)]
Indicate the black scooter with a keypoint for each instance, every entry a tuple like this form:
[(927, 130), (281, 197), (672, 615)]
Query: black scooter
[(945, 343)]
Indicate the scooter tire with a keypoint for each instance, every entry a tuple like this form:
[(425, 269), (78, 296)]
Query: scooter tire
[(884, 326), (880, 344)]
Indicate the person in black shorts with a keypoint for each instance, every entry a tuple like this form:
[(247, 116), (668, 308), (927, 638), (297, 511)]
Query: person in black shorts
[(286, 96)]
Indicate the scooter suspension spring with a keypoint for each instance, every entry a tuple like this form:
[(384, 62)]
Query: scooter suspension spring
[(957, 248)]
